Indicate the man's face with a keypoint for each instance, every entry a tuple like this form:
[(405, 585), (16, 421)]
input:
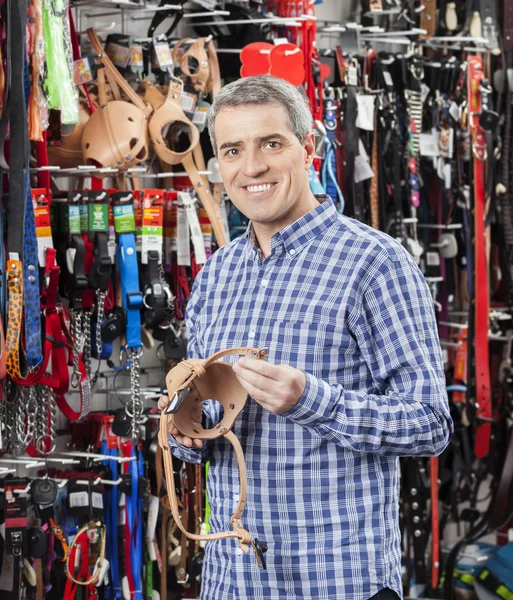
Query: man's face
[(263, 165)]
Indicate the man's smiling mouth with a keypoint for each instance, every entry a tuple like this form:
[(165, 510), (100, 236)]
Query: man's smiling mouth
[(261, 187)]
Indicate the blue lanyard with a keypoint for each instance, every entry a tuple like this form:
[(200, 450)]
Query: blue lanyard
[(134, 513), (110, 507)]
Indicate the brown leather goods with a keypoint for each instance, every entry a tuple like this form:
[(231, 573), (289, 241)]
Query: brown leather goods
[(116, 135), (168, 115), (193, 381), (428, 18), (198, 69), (69, 154), (214, 82)]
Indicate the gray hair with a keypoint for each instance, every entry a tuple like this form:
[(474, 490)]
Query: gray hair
[(263, 89)]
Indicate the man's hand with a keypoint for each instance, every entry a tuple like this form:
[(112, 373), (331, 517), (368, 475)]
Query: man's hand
[(277, 388), (196, 416)]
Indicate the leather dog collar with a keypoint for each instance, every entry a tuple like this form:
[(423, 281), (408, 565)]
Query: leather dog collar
[(193, 381)]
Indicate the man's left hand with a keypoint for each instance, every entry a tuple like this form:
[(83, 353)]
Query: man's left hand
[(277, 388)]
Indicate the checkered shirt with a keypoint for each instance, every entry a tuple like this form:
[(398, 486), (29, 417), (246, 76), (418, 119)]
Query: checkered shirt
[(347, 305)]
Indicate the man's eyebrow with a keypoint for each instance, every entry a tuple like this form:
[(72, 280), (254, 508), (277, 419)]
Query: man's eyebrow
[(230, 145), (272, 136), (259, 140)]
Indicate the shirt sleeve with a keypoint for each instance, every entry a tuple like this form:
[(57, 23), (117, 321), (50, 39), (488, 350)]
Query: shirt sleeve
[(194, 350), (407, 412)]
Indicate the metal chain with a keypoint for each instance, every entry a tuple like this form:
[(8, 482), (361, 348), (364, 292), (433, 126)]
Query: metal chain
[(47, 422), (76, 334), (31, 411), (134, 407), (20, 441), (100, 314), (86, 341), (10, 417)]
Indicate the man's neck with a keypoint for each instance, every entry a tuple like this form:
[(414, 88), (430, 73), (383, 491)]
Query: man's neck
[(265, 231)]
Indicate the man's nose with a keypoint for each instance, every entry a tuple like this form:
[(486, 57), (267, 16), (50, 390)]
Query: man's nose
[(254, 164)]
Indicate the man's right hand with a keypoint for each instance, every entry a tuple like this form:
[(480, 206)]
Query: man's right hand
[(196, 416)]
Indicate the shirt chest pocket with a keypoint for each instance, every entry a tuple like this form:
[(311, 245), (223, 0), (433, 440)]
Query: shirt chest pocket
[(320, 348)]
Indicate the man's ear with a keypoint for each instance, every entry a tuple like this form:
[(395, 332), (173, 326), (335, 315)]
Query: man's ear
[(309, 146)]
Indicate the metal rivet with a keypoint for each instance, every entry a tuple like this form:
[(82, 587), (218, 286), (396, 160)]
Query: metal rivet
[(31, 267), (416, 519), (417, 533), (32, 278)]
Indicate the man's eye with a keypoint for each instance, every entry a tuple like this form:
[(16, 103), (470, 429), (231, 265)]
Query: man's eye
[(232, 152), (273, 145)]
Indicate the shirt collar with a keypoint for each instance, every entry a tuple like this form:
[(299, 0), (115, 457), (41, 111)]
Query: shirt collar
[(296, 235)]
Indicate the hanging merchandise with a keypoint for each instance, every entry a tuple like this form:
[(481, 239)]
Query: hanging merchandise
[(59, 86), (112, 204)]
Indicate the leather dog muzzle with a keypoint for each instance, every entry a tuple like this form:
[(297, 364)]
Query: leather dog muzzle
[(189, 383)]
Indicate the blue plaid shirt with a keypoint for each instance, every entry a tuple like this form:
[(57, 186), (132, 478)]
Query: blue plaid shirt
[(347, 305)]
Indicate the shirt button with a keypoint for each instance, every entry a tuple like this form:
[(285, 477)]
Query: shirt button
[(264, 283), (236, 497), (292, 251), (238, 552), (251, 334)]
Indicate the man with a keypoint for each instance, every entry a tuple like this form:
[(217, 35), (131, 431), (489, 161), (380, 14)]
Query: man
[(354, 378)]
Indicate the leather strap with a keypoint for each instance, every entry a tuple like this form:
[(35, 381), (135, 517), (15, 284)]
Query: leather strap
[(428, 18), (214, 84), (483, 388), (374, 186), (115, 75), (435, 523), (16, 362), (490, 23), (508, 26), (209, 379)]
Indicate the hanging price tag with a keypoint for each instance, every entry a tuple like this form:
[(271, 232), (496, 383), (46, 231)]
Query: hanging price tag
[(112, 245), (188, 102), (98, 211), (199, 118), (119, 55), (72, 223), (153, 223), (196, 233), (82, 72), (162, 54), (365, 118), (136, 57), (41, 204), (138, 219), (206, 230), (123, 211), (183, 241), (170, 232)]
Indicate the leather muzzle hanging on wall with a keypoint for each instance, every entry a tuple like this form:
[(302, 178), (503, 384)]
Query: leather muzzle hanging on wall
[(116, 134), (169, 114)]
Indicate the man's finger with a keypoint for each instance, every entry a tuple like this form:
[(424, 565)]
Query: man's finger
[(257, 380), (163, 402), (257, 394), (261, 366)]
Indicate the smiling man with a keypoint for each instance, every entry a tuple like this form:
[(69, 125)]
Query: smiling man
[(354, 378)]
